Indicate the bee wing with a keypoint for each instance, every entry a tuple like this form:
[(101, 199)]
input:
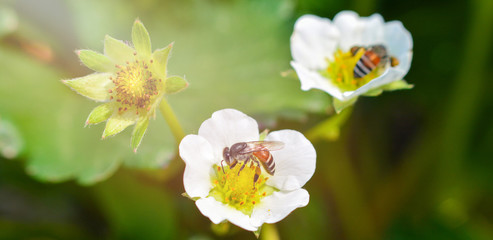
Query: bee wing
[(257, 146)]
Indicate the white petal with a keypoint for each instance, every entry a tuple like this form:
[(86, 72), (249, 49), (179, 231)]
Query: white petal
[(359, 31), (374, 30), (400, 45), (218, 212), (227, 127), (314, 40), (295, 163), (277, 206), (311, 79), (397, 38), (199, 158)]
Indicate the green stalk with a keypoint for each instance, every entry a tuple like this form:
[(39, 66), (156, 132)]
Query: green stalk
[(465, 100), (176, 164), (452, 132), (349, 198), (269, 232), (172, 120), (329, 129)]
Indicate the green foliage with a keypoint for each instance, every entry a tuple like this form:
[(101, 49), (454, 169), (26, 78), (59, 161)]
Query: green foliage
[(136, 210)]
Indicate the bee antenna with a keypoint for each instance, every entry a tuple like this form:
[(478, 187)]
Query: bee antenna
[(222, 166)]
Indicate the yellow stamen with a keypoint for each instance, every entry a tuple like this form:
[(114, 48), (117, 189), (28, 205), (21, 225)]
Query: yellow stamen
[(239, 190)]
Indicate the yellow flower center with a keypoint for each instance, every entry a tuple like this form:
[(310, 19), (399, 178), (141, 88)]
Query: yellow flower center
[(340, 71), (135, 86), (239, 190)]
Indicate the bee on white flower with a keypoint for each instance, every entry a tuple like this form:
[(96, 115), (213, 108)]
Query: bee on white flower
[(351, 56), (225, 192)]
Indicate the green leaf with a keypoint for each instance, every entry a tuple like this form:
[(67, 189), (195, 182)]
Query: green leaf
[(141, 39), (397, 85), (160, 58), (174, 84), (117, 50), (96, 61), (101, 113), (139, 131), (118, 122), (137, 210), (341, 105), (94, 86)]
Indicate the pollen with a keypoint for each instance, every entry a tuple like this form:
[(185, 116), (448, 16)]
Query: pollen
[(135, 86), (237, 189), (340, 71)]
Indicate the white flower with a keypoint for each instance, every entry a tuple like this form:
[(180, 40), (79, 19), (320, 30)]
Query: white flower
[(323, 60), (231, 195)]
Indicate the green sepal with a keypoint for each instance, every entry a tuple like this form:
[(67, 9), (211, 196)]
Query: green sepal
[(373, 92), (94, 86), (174, 84), (341, 105), (263, 135), (257, 233), (160, 58), (221, 229), (117, 50), (397, 85), (96, 61), (118, 122), (139, 131), (101, 113), (191, 198), (141, 39)]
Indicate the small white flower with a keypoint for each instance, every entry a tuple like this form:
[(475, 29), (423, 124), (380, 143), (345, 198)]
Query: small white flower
[(323, 60), (233, 195)]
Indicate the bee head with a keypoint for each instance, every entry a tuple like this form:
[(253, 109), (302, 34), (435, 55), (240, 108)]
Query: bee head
[(380, 50), (227, 156)]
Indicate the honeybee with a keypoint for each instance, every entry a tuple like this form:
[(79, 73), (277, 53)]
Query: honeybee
[(374, 56), (257, 152)]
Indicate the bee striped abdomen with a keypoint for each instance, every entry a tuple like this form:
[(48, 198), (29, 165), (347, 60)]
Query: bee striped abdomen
[(366, 64), (267, 161)]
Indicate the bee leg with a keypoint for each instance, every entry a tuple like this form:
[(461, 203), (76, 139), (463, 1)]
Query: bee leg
[(244, 164), (257, 175)]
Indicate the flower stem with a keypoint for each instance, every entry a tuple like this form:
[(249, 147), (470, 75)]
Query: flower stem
[(172, 120), (269, 232), (329, 129)]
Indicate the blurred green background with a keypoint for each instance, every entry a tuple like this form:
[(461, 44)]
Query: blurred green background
[(413, 164)]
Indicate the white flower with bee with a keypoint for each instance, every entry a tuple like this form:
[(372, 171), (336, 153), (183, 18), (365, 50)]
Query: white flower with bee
[(351, 56), (236, 174)]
